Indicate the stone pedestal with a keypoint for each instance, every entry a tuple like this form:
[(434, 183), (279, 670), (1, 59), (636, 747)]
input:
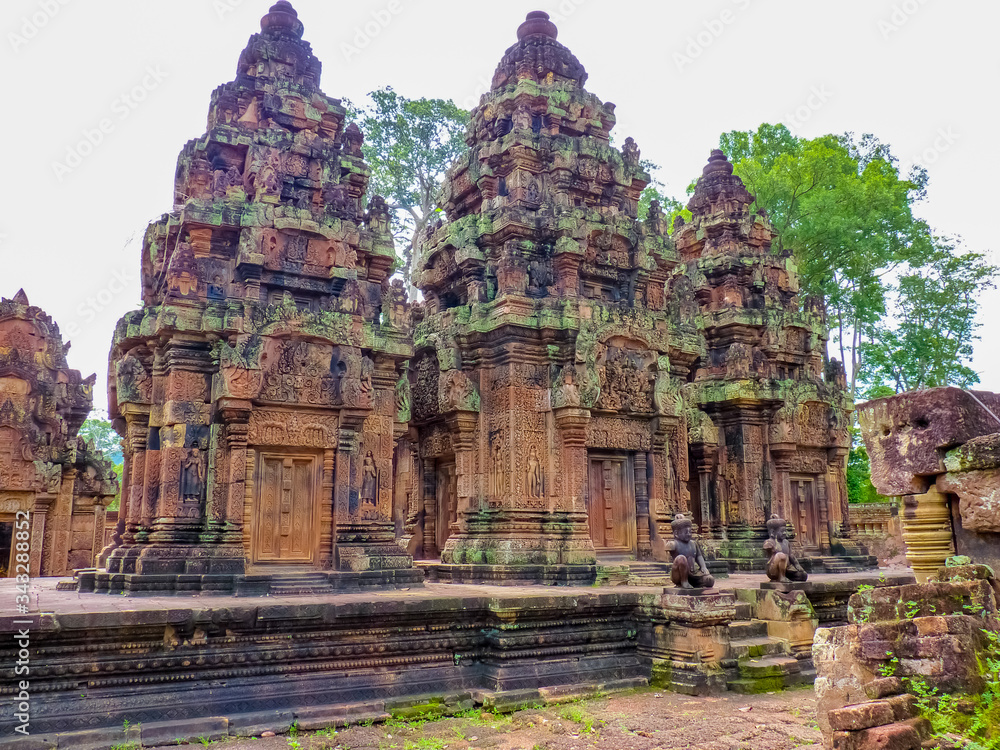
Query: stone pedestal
[(927, 532), (688, 639)]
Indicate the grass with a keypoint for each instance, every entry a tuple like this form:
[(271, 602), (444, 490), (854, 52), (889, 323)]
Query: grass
[(578, 716)]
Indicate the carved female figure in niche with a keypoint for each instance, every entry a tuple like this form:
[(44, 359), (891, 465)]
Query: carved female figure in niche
[(497, 484), (193, 476), (535, 479), (369, 479)]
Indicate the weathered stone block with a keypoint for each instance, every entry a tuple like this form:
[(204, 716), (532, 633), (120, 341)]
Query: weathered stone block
[(187, 730), (861, 716), (904, 434)]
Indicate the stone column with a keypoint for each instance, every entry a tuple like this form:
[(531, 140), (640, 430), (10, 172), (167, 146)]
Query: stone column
[(463, 426), (39, 517), (328, 513), (927, 532), (228, 519), (643, 547), (122, 559), (571, 425), (100, 519), (824, 514), (104, 552), (428, 498), (705, 459)]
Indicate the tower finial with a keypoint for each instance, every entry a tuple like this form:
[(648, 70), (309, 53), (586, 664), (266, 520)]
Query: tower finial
[(282, 19), (718, 163), (537, 24)]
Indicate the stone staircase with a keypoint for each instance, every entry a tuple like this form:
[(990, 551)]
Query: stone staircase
[(299, 584), (762, 663), (646, 573)]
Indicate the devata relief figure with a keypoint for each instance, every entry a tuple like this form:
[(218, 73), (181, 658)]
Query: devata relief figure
[(534, 478), (689, 570), (369, 479), (193, 476), (782, 565)]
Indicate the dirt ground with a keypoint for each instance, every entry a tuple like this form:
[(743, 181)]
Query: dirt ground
[(644, 720)]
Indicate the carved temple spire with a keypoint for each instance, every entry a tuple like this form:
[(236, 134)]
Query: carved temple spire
[(281, 20), (537, 24)]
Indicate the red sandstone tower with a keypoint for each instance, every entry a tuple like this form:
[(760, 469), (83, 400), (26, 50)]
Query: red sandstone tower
[(257, 387)]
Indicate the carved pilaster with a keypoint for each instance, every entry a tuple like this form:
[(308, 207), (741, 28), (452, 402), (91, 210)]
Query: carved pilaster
[(39, 518), (644, 548), (571, 424)]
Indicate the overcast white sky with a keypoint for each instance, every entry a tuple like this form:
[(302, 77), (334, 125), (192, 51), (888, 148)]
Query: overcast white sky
[(921, 75)]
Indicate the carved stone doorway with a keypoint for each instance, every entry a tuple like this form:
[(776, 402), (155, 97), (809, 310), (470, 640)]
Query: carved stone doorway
[(286, 504), (806, 511), (446, 503), (611, 504)]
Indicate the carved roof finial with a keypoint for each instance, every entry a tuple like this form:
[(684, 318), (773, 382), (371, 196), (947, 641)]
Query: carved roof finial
[(282, 19), (718, 163), (537, 24), (21, 298)]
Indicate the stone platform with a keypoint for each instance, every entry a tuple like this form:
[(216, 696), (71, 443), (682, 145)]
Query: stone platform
[(184, 665)]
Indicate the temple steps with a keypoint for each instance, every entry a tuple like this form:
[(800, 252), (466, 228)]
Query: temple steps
[(645, 572), (299, 584), (763, 663)]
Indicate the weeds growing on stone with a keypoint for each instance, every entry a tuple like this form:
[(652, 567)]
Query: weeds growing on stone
[(976, 719)]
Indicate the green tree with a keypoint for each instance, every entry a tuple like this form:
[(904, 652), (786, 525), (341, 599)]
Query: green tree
[(841, 206), (927, 341), (98, 430), (409, 145), (672, 208), (859, 473)]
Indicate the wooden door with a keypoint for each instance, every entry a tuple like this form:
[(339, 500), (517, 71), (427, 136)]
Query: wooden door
[(611, 504), (286, 528)]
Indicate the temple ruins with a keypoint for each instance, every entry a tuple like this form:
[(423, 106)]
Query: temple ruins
[(573, 378), (257, 388), (54, 486), (578, 397)]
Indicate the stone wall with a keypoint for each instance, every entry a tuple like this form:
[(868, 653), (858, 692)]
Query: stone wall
[(878, 527), (903, 644)]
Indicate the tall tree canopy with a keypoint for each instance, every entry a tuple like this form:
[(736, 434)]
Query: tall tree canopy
[(928, 341), (841, 206), (98, 429), (672, 208), (409, 145)]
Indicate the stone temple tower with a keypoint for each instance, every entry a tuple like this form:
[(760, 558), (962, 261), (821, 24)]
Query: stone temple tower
[(545, 381), (581, 376), (769, 415), (257, 386)]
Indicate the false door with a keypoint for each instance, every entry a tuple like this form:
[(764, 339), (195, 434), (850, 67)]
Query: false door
[(807, 516), (611, 505), (286, 528)]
